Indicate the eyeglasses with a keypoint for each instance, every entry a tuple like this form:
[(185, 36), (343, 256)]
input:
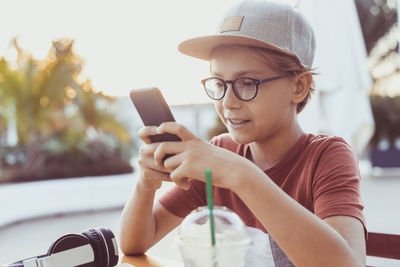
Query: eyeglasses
[(244, 88)]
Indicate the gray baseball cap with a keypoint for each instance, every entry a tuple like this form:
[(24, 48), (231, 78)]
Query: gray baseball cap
[(259, 23)]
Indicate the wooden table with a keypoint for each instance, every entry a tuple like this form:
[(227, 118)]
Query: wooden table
[(150, 261), (154, 261)]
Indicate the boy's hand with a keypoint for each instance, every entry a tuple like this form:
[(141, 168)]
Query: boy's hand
[(192, 156), (151, 175)]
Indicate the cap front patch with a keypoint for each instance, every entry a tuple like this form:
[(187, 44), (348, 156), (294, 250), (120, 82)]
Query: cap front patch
[(232, 24)]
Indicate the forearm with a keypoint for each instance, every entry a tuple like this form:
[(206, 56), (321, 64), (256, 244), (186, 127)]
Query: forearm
[(138, 226), (306, 239)]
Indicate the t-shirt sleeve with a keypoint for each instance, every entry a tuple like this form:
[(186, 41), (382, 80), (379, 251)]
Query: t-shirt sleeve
[(336, 184), (181, 202)]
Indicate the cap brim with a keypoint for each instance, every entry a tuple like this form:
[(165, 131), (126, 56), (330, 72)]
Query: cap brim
[(201, 47)]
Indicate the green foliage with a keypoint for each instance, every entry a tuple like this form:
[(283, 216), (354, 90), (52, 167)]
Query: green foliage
[(55, 114)]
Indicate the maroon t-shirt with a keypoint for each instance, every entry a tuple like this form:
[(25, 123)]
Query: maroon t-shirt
[(319, 172)]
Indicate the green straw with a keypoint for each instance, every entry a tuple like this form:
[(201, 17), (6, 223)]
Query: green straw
[(210, 205)]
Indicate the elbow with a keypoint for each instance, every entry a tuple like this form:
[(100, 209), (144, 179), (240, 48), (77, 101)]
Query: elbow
[(361, 262), (125, 247), (129, 248), (134, 240), (353, 262)]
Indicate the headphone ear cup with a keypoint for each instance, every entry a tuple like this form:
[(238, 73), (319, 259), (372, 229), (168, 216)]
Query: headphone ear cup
[(104, 246), (67, 242), (112, 246), (97, 243)]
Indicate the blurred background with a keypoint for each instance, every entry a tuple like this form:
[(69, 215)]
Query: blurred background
[(68, 142)]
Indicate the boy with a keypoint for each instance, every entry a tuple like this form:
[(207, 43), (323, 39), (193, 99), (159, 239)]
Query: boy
[(301, 189)]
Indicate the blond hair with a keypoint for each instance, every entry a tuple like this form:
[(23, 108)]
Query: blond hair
[(282, 63)]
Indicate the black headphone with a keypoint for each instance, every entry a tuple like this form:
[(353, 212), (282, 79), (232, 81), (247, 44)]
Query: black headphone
[(93, 248)]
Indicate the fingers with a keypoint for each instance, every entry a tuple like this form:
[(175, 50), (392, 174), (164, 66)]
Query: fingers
[(172, 127), (153, 154), (146, 158), (179, 179), (150, 174), (167, 148), (153, 176), (151, 179), (176, 128), (182, 183), (145, 132)]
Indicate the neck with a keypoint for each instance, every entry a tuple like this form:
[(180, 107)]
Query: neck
[(269, 152)]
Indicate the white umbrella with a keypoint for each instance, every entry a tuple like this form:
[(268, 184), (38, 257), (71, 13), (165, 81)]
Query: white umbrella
[(341, 105)]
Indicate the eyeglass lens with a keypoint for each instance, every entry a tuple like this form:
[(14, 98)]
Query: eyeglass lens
[(244, 88)]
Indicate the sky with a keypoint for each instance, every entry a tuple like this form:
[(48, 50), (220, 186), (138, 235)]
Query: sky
[(126, 44)]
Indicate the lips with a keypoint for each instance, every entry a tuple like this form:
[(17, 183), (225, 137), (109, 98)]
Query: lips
[(237, 121)]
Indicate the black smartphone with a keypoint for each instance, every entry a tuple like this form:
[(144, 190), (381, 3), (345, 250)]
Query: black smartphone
[(153, 110)]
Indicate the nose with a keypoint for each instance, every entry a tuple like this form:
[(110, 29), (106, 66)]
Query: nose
[(230, 100)]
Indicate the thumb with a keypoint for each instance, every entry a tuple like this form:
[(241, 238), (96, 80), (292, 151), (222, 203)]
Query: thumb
[(178, 129)]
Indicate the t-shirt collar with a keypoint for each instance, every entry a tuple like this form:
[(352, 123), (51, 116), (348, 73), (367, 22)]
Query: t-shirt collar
[(293, 151)]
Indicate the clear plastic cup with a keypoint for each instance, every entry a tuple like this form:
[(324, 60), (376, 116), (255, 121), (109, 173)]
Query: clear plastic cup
[(194, 239)]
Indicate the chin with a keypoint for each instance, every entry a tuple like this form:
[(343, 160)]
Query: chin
[(241, 139)]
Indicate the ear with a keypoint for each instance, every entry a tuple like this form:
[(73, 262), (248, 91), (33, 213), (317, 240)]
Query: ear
[(302, 87)]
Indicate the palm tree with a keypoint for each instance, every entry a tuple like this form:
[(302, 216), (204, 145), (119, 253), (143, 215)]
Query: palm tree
[(52, 110)]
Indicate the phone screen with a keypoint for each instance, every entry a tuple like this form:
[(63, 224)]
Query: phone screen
[(153, 110)]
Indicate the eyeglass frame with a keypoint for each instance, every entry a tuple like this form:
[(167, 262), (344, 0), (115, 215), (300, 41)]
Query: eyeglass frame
[(256, 81)]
